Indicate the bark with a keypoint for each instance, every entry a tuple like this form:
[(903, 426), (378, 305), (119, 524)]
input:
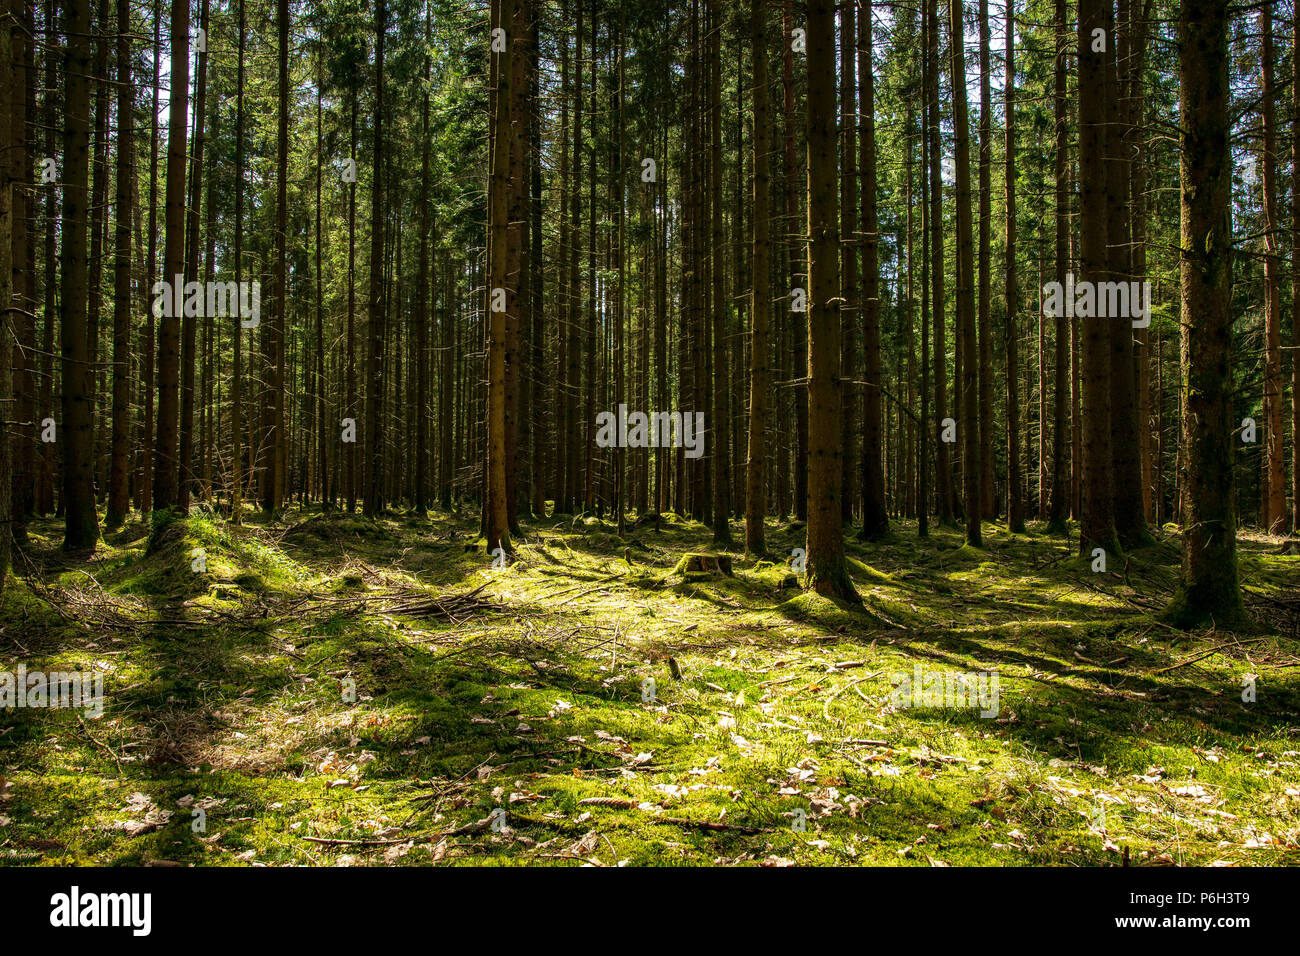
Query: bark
[(967, 421), (75, 435), (22, 107), (1130, 520), (827, 571), (237, 388), (1295, 275), (1208, 589), (10, 88), (760, 294), (1060, 507), (1015, 486), (118, 497), (988, 502), (943, 454), (720, 433), (1097, 518), (495, 507), (1273, 517), (376, 335), (848, 245), (189, 326), (875, 516)]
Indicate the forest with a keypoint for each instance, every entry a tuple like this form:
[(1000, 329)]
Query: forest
[(675, 432)]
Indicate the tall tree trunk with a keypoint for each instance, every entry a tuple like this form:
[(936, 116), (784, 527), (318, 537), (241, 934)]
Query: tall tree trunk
[(273, 487), (760, 294), (943, 467), (1208, 589), (798, 320), (619, 237), (1015, 482), (988, 501), (1274, 518), (720, 433), (968, 419), (237, 389), (1139, 14), (50, 116), (118, 491), (538, 463), (827, 571), (81, 523), (927, 431), (98, 236), (1060, 507), (21, 479), (10, 89), (875, 517), (350, 412), (318, 377), (1130, 521), (850, 306), (422, 306), (495, 510), (189, 326), (377, 333), (575, 433), (517, 266), (1097, 520), (446, 421), (1295, 273)]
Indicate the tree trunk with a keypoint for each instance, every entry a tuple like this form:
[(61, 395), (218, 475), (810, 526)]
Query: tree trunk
[(760, 294), (375, 380), (21, 479), (495, 510), (1015, 482), (1130, 521), (943, 467), (988, 501), (118, 498), (850, 306), (968, 419), (827, 571), (81, 523), (422, 307), (875, 517), (927, 430), (798, 320), (1060, 507), (1274, 517), (1208, 590), (720, 433), (189, 326), (10, 88), (1097, 519), (237, 389), (1295, 275)]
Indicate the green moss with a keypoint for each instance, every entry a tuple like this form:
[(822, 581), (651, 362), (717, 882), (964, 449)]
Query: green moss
[(540, 700)]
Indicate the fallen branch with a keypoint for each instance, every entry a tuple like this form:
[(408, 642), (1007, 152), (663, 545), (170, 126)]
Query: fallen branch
[(1197, 657)]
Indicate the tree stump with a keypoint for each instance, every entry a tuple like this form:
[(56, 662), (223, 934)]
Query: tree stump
[(704, 563)]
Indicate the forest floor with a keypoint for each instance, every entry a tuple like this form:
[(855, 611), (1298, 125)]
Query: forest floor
[(506, 715)]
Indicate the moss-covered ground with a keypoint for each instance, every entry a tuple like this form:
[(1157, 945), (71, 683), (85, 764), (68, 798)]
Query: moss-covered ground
[(327, 689)]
